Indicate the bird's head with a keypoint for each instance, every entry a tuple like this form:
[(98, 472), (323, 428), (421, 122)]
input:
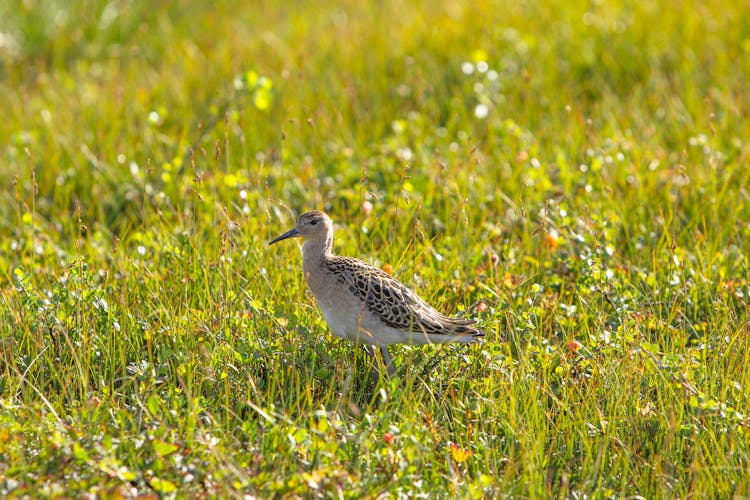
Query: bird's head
[(312, 225)]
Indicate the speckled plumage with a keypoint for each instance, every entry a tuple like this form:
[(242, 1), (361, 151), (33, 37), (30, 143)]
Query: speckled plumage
[(364, 304), (394, 304)]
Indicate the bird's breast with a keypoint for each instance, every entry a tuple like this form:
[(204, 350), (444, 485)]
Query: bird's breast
[(343, 311)]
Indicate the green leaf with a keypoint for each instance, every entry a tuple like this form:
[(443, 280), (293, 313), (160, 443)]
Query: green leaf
[(162, 485), (163, 448), (649, 347), (153, 405), (80, 453)]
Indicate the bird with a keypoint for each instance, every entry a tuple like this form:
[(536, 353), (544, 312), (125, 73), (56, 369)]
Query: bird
[(363, 303)]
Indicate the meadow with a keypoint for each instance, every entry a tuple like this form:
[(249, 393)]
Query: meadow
[(574, 175)]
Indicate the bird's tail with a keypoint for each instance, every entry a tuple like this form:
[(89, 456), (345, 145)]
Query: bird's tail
[(466, 331)]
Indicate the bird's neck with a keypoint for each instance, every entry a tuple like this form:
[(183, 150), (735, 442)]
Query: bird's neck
[(316, 250)]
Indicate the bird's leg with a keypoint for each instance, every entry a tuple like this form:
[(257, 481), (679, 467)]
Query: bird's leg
[(387, 360), (372, 351), (369, 349)]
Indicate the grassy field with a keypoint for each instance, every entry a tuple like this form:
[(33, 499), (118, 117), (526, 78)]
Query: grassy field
[(572, 174)]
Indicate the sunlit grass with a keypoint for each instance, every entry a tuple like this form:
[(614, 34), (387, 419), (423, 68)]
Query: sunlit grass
[(572, 175)]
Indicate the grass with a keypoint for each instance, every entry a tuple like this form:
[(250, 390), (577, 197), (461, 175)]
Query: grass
[(572, 174)]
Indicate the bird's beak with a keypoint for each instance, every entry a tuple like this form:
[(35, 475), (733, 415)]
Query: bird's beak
[(289, 234)]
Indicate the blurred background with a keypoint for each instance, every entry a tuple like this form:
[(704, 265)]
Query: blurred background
[(103, 99)]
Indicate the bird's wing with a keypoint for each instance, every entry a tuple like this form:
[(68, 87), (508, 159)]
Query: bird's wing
[(393, 303)]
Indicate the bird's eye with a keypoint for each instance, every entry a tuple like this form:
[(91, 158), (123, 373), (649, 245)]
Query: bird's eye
[(313, 222)]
